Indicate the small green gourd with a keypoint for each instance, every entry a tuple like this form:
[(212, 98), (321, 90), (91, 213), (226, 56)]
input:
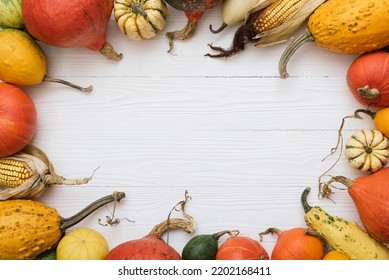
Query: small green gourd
[(204, 246)]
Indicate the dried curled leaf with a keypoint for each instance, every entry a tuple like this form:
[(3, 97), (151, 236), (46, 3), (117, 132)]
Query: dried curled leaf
[(40, 174)]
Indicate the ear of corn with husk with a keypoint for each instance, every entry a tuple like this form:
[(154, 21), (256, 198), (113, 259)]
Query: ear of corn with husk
[(284, 17), (269, 22), (27, 174)]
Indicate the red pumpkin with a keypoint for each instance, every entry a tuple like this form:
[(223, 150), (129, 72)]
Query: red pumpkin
[(70, 23), (152, 246), (368, 78), (241, 248), (18, 119), (295, 244)]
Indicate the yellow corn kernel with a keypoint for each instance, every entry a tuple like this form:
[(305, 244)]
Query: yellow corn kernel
[(276, 14), (13, 173)]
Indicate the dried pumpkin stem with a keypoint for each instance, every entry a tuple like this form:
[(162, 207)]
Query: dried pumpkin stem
[(291, 49), (231, 233), (109, 52), (272, 230), (183, 34), (73, 220), (186, 224), (55, 80), (325, 188)]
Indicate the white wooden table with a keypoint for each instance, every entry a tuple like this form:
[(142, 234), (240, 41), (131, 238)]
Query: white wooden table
[(243, 142)]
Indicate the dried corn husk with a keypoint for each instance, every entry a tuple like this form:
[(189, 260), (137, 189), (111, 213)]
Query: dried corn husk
[(43, 175), (287, 29)]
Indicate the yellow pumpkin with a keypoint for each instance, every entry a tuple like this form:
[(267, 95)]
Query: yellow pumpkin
[(140, 19), (82, 244)]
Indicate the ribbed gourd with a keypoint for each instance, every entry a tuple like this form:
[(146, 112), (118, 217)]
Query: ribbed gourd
[(367, 150), (140, 19)]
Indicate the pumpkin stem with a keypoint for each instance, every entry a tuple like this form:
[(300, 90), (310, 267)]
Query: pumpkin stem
[(55, 80), (109, 52), (231, 233), (291, 49), (371, 114), (73, 220), (369, 93), (220, 29), (182, 34), (138, 9), (272, 230), (304, 201), (186, 224), (325, 188)]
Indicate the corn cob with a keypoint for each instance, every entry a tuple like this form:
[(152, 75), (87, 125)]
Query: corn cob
[(276, 14), (269, 22), (27, 173), (13, 173)]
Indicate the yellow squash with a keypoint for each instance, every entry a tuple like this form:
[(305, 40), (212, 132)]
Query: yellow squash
[(29, 228), (22, 61), (344, 236), (344, 26)]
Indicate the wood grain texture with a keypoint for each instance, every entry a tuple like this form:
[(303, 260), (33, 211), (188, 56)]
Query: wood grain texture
[(243, 142)]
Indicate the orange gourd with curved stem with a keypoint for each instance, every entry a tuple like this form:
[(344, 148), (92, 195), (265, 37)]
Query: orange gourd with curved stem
[(241, 248), (368, 78), (294, 244)]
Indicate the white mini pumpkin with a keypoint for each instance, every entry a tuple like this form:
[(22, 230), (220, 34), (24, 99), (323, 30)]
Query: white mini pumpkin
[(140, 19), (367, 150)]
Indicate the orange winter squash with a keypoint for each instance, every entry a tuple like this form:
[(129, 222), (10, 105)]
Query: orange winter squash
[(368, 78), (241, 248), (294, 244)]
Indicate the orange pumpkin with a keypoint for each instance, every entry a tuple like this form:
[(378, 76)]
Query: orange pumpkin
[(241, 248), (294, 244)]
